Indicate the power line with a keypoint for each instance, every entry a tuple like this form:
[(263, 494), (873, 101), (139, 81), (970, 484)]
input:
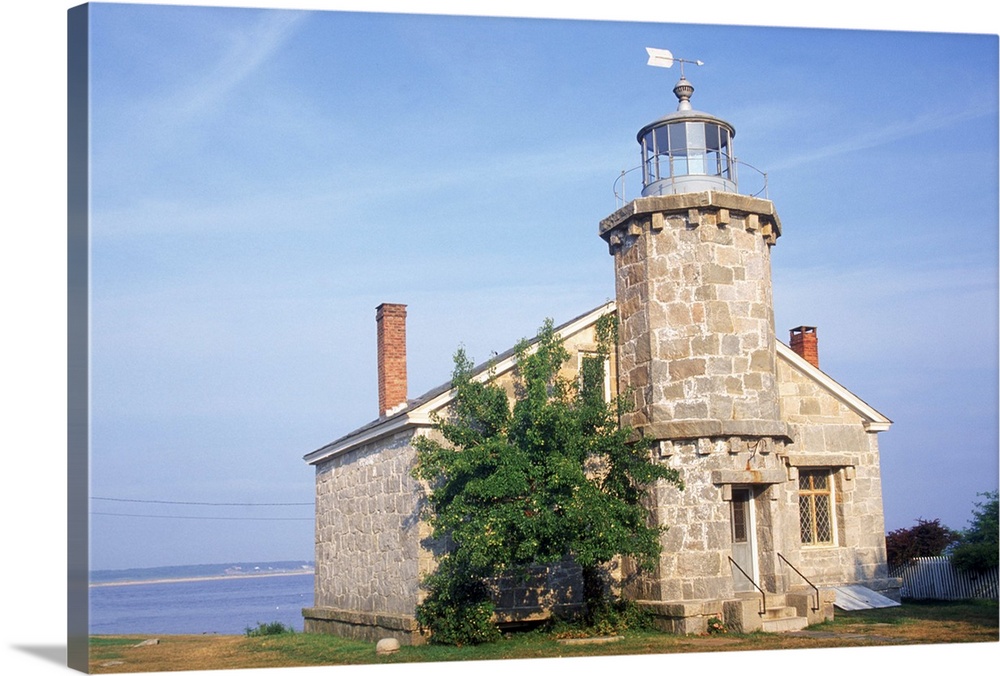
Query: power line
[(210, 504), (204, 504), (204, 518)]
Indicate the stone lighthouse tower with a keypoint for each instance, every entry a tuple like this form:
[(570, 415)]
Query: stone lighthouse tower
[(693, 283), (697, 353)]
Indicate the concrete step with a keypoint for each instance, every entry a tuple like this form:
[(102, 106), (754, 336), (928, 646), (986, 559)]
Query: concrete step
[(773, 600), (779, 612), (776, 600), (778, 625)]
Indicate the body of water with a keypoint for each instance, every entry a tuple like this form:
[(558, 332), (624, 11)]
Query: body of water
[(226, 604)]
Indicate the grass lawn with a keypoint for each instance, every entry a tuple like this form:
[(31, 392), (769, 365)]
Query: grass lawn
[(909, 624)]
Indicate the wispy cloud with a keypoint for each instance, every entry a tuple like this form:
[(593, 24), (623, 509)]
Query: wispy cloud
[(923, 124), (249, 48), (146, 138), (348, 186)]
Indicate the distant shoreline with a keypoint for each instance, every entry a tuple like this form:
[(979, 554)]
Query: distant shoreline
[(235, 576)]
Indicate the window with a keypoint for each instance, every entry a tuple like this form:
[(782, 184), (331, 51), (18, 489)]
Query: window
[(739, 507), (816, 507)]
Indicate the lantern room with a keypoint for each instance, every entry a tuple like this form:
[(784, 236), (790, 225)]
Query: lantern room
[(687, 151)]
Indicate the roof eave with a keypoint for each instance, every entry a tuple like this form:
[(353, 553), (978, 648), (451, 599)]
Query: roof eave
[(873, 421), (391, 426)]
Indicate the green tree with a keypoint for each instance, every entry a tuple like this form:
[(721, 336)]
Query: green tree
[(978, 549), (550, 477)]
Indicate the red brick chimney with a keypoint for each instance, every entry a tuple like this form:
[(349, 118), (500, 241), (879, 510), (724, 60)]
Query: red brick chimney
[(803, 342), (391, 321)]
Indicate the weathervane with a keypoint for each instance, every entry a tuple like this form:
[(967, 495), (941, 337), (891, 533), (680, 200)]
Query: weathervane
[(662, 58)]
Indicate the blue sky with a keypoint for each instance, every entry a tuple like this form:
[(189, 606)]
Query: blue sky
[(262, 180)]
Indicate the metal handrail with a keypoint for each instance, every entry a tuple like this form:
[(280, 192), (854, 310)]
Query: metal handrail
[(763, 596), (737, 162), (620, 198), (789, 563)]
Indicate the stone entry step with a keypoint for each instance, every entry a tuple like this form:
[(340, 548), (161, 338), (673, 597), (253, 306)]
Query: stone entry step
[(780, 613), (782, 624), (782, 618), (779, 617)]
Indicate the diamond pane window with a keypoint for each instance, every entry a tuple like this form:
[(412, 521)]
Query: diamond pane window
[(805, 518), (823, 530), (815, 507)]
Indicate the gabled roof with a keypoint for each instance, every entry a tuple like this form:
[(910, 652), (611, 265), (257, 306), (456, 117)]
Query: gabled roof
[(872, 419), (418, 412)]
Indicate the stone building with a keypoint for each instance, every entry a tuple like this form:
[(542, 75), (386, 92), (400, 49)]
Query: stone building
[(782, 502)]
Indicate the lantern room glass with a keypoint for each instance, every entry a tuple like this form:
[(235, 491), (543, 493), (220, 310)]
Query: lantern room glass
[(687, 148)]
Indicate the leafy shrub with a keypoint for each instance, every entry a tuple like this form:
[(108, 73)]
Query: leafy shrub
[(927, 538), (978, 550), (615, 616), (458, 625), (716, 625), (607, 617), (458, 609), (270, 629), (975, 557)]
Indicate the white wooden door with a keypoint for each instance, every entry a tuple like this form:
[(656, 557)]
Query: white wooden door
[(742, 529)]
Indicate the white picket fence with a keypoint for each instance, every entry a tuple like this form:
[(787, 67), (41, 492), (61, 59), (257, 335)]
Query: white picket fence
[(933, 577)]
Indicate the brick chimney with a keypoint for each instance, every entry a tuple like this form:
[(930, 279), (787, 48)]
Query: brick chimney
[(803, 342), (391, 321)]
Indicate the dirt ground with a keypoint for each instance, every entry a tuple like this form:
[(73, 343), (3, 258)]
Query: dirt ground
[(174, 653)]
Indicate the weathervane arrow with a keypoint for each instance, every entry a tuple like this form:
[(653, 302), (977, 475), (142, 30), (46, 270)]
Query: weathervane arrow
[(662, 58)]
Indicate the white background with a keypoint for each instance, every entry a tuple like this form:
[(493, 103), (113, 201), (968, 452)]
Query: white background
[(33, 270)]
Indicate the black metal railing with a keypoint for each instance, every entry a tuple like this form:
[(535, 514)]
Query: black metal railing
[(763, 596), (808, 581)]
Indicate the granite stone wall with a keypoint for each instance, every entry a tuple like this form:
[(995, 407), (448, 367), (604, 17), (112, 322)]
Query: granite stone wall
[(697, 339), (694, 563), (369, 557), (827, 434)]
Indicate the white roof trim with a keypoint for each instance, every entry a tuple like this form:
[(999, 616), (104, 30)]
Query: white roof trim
[(388, 428), (873, 420)]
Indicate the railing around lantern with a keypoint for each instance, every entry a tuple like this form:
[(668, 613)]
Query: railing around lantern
[(626, 193)]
